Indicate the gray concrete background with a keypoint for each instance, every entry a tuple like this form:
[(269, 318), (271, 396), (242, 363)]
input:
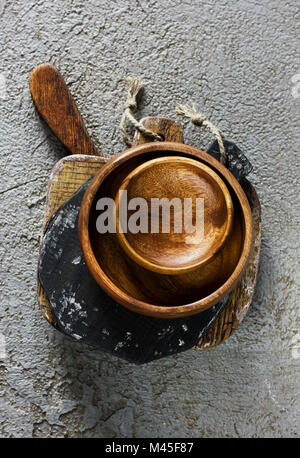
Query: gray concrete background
[(237, 61)]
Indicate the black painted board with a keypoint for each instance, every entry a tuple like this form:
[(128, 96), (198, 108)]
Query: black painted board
[(87, 314), (236, 161)]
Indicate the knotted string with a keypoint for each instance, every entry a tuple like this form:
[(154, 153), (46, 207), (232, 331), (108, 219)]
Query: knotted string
[(134, 85), (198, 119)]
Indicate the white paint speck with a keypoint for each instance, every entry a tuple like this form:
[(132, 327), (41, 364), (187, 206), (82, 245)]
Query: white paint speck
[(164, 331), (119, 345), (76, 260), (76, 336)]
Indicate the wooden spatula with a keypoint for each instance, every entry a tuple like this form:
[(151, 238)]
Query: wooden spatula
[(57, 107)]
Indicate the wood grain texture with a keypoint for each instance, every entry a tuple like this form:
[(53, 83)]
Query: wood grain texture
[(169, 252), (241, 297), (167, 128), (139, 289), (66, 177), (86, 313), (71, 172), (57, 107)]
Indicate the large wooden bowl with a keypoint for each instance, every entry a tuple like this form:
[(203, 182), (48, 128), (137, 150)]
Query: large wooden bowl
[(148, 291)]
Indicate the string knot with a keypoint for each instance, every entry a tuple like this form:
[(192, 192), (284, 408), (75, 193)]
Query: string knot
[(134, 85), (189, 111), (131, 104), (198, 119)]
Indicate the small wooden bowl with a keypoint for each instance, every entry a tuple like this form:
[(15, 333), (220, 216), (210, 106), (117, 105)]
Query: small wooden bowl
[(182, 178), (147, 291)]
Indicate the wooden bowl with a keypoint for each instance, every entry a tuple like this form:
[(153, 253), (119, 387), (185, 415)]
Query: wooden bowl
[(175, 251), (149, 291)]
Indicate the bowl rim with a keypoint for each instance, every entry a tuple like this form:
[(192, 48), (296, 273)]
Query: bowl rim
[(120, 296), (195, 264)]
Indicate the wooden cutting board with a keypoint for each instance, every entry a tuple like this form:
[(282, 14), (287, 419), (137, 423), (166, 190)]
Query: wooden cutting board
[(58, 109), (72, 171)]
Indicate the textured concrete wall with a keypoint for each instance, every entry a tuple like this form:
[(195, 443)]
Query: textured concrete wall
[(236, 60)]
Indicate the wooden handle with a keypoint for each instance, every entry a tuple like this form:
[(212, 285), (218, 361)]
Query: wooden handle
[(57, 107), (169, 129)]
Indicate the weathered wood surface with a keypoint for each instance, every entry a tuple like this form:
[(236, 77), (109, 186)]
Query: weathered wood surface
[(65, 179), (241, 297), (169, 129)]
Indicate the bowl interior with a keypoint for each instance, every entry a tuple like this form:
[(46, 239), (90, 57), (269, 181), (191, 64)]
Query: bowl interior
[(151, 287), (181, 214)]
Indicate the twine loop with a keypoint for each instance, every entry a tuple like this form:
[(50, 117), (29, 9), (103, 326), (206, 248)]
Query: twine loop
[(134, 85), (199, 119)]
